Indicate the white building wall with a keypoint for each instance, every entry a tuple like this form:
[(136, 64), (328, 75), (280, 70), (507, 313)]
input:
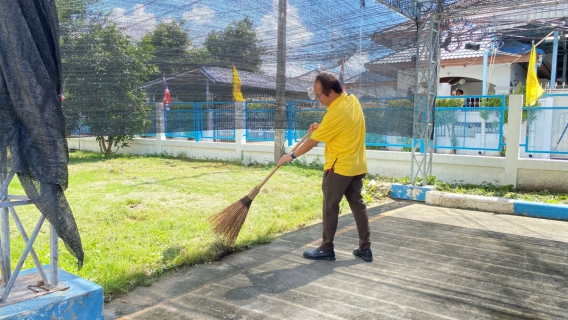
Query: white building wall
[(518, 73), (498, 76)]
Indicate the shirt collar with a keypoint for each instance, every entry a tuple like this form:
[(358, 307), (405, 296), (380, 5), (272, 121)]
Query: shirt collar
[(338, 100)]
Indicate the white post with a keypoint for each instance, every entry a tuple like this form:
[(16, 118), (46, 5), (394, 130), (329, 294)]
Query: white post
[(240, 124), (513, 139), (160, 127)]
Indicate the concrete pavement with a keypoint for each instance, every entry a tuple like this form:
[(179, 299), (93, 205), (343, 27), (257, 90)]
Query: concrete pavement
[(430, 263)]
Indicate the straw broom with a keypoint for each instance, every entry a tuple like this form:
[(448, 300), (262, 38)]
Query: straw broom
[(228, 222)]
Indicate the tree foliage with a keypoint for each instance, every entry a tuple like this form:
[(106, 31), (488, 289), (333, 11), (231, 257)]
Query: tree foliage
[(173, 49), (75, 18), (237, 45), (104, 93)]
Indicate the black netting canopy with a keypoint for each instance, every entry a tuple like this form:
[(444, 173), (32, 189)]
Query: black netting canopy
[(204, 68), (32, 125)]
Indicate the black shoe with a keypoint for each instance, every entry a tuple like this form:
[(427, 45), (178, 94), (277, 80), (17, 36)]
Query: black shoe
[(317, 254), (367, 255)]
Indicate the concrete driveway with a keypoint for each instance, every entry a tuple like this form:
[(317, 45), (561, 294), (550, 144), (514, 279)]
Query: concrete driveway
[(430, 263)]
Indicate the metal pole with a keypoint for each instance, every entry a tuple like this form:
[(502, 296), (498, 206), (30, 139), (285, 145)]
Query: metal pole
[(485, 58), (54, 256), (279, 124), (5, 231), (22, 259), (6, 240), (32, 251), (554, 61)]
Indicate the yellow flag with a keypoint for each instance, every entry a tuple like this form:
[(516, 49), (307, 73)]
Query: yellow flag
[(237, 95), (534, 90)]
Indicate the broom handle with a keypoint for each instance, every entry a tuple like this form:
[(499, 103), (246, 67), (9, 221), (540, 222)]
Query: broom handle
[(276, 168)]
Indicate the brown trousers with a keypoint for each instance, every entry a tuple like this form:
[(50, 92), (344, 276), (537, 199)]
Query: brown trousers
[(334, 187)]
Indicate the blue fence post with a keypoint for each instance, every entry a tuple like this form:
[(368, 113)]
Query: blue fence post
[(246, 121), (464, 126), (197, 121), (179, 126), (502, 123)]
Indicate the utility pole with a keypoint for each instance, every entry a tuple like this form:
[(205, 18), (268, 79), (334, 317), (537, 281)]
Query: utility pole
[(280, 83)]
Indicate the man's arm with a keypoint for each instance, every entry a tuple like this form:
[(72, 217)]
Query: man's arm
[(308, 145)]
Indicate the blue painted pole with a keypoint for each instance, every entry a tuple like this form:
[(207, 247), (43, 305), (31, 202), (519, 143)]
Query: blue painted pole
[(485, 58), (554, 61), (198, 127)]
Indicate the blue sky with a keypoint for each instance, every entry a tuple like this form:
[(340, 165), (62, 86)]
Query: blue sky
[(319, 33)]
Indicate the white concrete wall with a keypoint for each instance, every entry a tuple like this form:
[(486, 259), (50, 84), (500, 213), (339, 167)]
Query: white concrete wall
[(531, 173)]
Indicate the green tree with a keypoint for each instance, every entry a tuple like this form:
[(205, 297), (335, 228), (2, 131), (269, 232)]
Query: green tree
[(173, 49), (105, 93), (238, 45), (75, 17)]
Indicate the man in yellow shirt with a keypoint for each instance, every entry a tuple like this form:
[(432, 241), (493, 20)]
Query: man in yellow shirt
[(343, 132)]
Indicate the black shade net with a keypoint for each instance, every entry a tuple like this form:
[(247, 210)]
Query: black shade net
[(130, 68), (119, 58), (32, 125)]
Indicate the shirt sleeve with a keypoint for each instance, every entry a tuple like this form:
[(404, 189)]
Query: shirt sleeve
[(328, 128)]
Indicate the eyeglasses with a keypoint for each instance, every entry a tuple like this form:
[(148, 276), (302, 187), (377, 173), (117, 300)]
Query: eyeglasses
[(313, 95)]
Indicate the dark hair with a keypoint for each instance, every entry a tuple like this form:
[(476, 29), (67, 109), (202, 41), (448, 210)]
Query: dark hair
[(328, 82), (459, 91)]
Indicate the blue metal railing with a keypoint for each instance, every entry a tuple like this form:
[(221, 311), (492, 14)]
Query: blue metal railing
[(470, 123), (547, 127), (474, 123), (547, 130)]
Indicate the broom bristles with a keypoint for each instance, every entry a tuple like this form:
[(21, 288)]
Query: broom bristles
[(228, 222)]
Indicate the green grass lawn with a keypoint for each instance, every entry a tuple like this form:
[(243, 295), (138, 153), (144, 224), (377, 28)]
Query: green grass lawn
[(508, 192), (139, 216), (487, 189)]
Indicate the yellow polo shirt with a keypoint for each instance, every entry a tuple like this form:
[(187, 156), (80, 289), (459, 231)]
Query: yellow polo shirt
[(343, 132)]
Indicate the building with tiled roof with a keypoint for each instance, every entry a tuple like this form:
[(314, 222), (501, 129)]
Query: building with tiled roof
[(366, 84), (216, 84), (512, 30)]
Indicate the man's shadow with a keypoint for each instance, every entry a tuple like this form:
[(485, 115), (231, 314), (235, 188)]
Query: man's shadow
[(286, 279)]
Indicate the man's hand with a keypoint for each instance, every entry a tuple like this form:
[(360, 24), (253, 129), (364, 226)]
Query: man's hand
[(284, 159), (313, 127)]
